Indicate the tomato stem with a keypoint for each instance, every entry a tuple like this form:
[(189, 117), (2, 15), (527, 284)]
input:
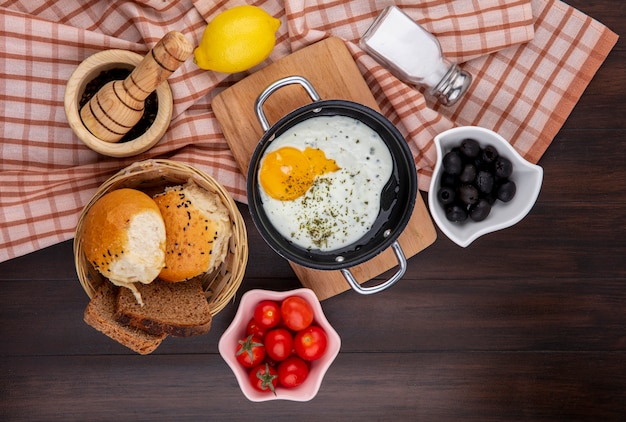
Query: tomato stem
[(267, 379), (247, 345)]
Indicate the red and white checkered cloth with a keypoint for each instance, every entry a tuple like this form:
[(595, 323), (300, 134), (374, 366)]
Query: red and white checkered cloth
[(531, 61)]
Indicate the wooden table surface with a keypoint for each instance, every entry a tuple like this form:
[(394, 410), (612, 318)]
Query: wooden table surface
[(525, 324)]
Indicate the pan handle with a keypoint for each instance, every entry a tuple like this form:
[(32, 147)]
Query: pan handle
[(382, 286), (289, 80)]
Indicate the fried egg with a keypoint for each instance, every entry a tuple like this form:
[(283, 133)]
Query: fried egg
[(287, 173), (321, 181)]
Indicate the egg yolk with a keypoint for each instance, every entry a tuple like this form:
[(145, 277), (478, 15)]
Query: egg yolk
[(288, 172)]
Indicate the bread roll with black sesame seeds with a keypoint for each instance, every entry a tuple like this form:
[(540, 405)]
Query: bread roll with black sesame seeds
[(198, 230), (124, 238)]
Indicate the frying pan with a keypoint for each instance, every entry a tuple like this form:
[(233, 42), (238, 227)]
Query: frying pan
[(397, 198)]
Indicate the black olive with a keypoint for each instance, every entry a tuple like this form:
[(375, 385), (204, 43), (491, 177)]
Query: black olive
[(452, 163), (449, 180), (468, 194), (489, 154), (446, 195), (468, 174), (503, 167), (506, 191), (491, 197), (479, 163), (484, 181), (473, 179), (470, 148), (480, 210), (456, 213)]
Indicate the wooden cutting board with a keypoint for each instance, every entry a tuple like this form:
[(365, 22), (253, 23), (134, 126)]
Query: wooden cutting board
[(333, 73)]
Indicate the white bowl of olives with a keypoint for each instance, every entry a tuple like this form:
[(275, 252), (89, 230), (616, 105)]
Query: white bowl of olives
[(480, 184)]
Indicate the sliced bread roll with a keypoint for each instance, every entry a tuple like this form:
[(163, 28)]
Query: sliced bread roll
[(178, 309), (100, 314), (124, 238), (198, 231)]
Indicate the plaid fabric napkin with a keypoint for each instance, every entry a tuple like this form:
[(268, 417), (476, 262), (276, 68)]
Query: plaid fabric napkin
[(531, 61)]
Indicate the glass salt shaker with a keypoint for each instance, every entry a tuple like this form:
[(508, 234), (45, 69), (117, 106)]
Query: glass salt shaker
[(414, 55)]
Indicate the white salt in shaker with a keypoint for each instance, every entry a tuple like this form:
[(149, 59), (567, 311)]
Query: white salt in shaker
[(414, 55)]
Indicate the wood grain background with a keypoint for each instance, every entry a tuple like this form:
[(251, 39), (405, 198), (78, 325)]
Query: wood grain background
[(526, 324)]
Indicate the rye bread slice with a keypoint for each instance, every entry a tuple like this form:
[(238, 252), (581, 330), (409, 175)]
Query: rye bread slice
[(178, 309), (100, 314)]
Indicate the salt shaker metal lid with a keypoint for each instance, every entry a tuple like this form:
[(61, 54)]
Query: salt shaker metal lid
[(414, 55), (452, 86)]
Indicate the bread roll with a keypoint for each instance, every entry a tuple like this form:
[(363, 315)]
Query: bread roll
[(198, 231), (124, 238)]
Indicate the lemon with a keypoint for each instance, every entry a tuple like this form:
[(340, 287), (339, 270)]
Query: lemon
[(237, 39)]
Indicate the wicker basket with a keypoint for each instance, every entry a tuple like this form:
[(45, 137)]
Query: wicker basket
[(151, 177)]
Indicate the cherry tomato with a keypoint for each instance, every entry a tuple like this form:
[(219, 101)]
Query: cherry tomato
[(278, 344), (292, 372), (264, 378), (296, 312), (250, 351), (273, 363), (267, 313), (310, 343), (255, 329)]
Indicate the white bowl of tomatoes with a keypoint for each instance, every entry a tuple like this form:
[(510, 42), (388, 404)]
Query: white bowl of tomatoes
[(279, 345)]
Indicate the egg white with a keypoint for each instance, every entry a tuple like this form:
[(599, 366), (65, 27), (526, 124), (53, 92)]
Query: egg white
[(341, 206)]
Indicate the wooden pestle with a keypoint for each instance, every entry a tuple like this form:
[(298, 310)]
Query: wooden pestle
[(119, 105)]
